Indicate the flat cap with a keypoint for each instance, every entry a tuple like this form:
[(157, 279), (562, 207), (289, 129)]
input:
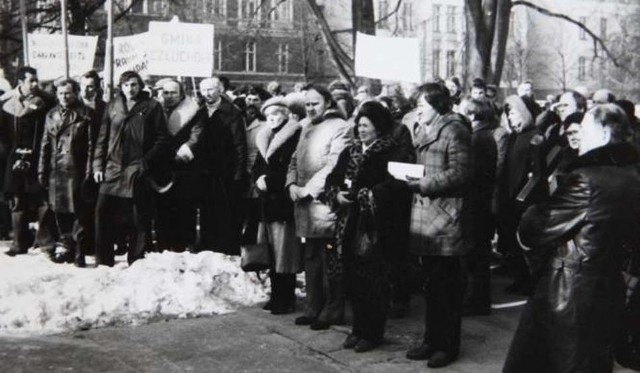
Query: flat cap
[(274, 101)]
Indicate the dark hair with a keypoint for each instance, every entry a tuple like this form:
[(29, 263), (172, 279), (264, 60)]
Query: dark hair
[(22, 72), (612, 116), (127, 75), (628, 107), (92, 74), (328, 98), (581, 101), (74, 85), (258, 91), (572, 118), (379, 115), (225, 82), (479, 83), (480, 108), (437, 95)]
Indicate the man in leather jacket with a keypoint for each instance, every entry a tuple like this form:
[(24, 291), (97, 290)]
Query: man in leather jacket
[(577, 240)]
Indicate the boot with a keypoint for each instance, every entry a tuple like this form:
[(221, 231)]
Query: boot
[(281, 296)]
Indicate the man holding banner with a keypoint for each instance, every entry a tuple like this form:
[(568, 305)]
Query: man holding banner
[(22, 123)]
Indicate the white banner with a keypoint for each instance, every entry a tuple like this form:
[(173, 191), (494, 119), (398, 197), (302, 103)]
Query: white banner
[(385, 58), (180, 49), (130, 53), (46, 54)]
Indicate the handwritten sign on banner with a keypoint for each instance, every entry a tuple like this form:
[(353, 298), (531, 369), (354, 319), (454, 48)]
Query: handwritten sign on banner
[(180, 49), (46, 54), (130, 53), (388, 58)]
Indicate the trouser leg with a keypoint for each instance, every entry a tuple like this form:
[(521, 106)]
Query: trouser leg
[(46, 233), (313, 273), (107, 210), (333, 311), (142, 216), (443, 296), (22, 240)]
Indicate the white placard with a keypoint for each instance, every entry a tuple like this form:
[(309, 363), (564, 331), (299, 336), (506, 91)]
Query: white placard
[(46, 54), (396, 59), (130, 53), (402, 171), (180, 49)]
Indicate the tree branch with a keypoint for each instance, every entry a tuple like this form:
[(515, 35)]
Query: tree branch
[(596, 39), (388, 15)]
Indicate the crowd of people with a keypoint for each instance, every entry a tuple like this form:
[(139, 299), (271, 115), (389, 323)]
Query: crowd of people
[(307, 173)]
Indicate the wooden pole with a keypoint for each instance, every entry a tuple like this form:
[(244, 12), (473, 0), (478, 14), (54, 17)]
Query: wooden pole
[(65, 34), (25, 37), (108, 63)]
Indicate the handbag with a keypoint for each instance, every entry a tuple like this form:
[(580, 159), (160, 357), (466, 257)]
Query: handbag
[(255, 257), (366, 238)]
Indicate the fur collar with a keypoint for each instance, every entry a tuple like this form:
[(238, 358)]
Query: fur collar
[(182, 114), (620, 154), (268, 143)]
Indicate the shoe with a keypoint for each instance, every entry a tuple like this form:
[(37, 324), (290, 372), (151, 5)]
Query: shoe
[(267, 306), (350, 342), (320, 325), (79, 261), (439, 359), (365, 345), (304, 320), (13, 252), (422, 352)]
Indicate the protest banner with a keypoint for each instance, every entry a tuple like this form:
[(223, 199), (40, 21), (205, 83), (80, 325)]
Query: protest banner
[(47, 54), (180, 49), (386, 58), (130, 53)]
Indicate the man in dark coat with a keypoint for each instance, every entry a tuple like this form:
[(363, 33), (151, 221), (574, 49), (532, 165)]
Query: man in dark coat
[(224, 156), (64, 158), (177, 209), (22, 123), (131, 152), (576, 241)]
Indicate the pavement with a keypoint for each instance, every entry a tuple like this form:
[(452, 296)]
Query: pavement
[(252, 340)]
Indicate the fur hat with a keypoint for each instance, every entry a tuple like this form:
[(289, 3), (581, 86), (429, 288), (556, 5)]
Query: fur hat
[(274, 101)]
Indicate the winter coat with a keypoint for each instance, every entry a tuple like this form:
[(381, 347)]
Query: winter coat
[(485, 154), (576, 240), (379, 198), (440, 215), (132, 143), (517, 165), (223, 149), (316, 155), (21, 127), (65, 156), (274, 156), (252, 151), (185, 128)]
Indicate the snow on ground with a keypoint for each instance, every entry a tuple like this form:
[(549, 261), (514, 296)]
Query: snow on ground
[(41, 297)]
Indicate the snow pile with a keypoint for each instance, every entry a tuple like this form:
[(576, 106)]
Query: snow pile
[(39, 297)]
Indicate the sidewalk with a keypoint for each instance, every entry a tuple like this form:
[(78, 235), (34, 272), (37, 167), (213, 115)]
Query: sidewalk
[(252, 340)]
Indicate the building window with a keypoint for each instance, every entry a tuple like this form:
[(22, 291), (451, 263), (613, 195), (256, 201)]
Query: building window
[(157, 7), (407, 16), (436, 18), (603, 28), (217, 55), (281, 10), (583, 34), (451, 19), (581, 68), (250, 56), (249, 9), (436, 63), (451, 63), (283, 58), (214, 7)]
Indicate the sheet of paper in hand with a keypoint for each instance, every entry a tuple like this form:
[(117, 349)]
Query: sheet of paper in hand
[(402, 171)]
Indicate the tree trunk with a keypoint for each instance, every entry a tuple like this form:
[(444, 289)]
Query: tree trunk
[(363, 18)]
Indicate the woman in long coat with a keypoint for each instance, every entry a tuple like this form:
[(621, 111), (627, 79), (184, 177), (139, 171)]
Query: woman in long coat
[(324, 135), (368, 201), (276, 142), (577, 240), (440, 220)]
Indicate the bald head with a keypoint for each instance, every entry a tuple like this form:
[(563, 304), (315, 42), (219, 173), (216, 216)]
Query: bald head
[(171, 93), (211, 89)]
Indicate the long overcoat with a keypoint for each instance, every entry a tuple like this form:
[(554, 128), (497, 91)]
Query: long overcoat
[(576, 240), (440, 215), (317, 153), (65, 156)]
